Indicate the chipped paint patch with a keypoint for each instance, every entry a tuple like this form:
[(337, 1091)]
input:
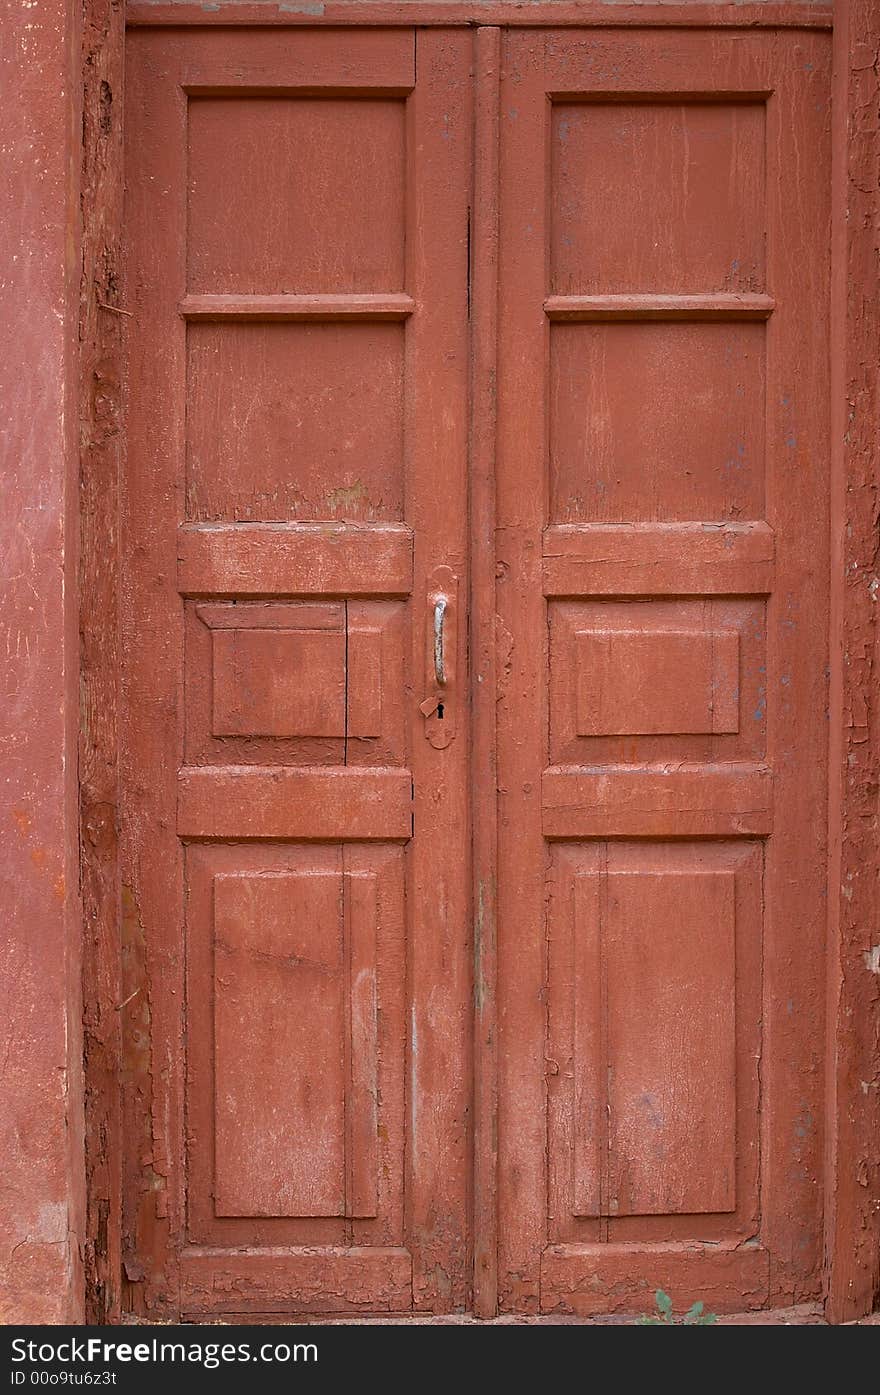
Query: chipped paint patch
[(350, 497), (872, 959)]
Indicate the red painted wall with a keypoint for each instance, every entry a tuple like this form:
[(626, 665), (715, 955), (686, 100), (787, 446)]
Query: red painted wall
[(41, 1188)]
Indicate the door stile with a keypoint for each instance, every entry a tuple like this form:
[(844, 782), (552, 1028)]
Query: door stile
[(151, 856), (797, 433), (484, 779), (523, 645), (439, 138)]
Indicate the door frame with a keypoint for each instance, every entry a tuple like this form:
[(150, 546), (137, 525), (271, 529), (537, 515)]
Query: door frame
[(852, 1114)]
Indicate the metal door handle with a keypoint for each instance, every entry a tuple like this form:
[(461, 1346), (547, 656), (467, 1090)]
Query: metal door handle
[(439, 615)]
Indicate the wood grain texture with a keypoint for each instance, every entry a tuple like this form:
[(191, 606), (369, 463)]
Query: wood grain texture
[(262, 802), (483, 693), (629, 801), (101, 451), (295, 560), (346, 1187), (302, 1280), (218, 308), (689, 176), (276, 229), (661, 682), (797, 427), (680, 457), (852, 1184), (523, 334), (851, 1240), (657, 559), (440, 965), (719, 305), (589, 1280), (803, 14), (294, 421), (151, 714), (682, 919), (672, 1081), (669, 680), (282, 683), (279, 968)]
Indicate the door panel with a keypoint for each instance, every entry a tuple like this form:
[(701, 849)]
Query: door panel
[(298, 1060), (662, 564), (658, 1118), (302, 950)]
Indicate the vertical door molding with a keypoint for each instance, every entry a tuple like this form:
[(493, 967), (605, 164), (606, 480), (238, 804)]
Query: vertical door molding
[(852, 1184), (102, 441), (484, 334)]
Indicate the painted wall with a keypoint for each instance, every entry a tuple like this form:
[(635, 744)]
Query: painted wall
[(41, 1189)]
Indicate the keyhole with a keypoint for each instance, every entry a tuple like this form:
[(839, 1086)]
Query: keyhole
[(440, 710)]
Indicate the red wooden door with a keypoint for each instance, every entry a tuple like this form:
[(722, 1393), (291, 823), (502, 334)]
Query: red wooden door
[(296, 911), (296, 837), (663, 534)]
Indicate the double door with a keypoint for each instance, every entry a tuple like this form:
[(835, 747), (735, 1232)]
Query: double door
[(364, 1071)]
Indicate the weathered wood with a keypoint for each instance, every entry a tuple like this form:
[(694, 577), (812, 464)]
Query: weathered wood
[(662, 477), (297, 487), (666, 681), (101, 443), (328, 1280), (589, 1280), (362, 1044), (440, 963), (368, 61), (656, 559), (671, 801), (304, 803), (315, 934), (797, 509), (852, 1182), (295, 559), (330, 308), (599, 308), (799, 14), (523, 332), (483, 689), (644, 1137)]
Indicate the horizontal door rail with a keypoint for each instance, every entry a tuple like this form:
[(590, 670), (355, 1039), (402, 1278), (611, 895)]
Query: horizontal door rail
[(391, 306)]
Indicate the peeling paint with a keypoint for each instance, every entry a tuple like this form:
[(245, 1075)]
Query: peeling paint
[(872, 959)]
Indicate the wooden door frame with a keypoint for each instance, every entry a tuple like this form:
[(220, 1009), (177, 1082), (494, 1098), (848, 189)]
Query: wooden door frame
[(852, 1177), (852, 1119)]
